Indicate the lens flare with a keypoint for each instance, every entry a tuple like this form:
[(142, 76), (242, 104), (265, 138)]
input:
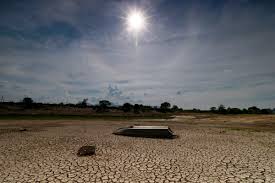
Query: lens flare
[(136, 21)]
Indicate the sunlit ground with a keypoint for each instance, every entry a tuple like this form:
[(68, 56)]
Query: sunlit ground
[(210, 148)]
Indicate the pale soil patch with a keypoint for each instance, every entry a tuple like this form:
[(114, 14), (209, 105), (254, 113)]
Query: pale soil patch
[(244, 118), (244, 121)]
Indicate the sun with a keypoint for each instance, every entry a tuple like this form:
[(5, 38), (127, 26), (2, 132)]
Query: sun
[(136, 21)]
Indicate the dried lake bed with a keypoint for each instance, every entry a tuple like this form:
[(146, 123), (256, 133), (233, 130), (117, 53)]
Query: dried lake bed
[(210, 148)]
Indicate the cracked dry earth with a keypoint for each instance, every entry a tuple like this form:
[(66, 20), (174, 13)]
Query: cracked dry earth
[(48, 154)]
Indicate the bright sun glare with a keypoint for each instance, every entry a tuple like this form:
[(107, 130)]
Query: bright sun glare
[(136, 21)]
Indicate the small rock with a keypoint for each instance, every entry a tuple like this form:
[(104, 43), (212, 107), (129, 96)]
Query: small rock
[(86, 151), (22, 129), (222, 131)]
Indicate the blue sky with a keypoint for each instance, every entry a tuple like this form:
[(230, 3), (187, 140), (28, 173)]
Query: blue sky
[(194, 54)]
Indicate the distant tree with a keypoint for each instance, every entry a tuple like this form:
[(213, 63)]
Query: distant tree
[(175, 108), (234, 111), (221, 109), (228, 110), (266, 111), (84, 102), (165, 106), (142, 108), (137, 108), (61, 104), (127, 107), (254, 110), (104, 105), (28, 102), (213, 109), (147, 108), (244, 111)]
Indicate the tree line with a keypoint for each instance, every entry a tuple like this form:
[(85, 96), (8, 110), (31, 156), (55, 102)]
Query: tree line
[(221, 109), (102, 106), (165, 107)]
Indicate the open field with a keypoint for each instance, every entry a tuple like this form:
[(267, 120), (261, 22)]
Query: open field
[(210, 148)]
